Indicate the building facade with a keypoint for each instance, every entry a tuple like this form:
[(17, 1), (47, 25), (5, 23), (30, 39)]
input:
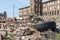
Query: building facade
[(46, 9), (36, 7), (24, 12), (51, 8)]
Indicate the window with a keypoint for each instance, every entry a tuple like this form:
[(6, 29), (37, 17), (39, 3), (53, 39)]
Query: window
[(46, 9), (39, 10), (57, 12), (58, 6), (55, 7), (50, 8), (45, 13), (50, 3), (36, 0), (36, 9), (58, 1), (50, 13), (53, 3), (43, 5)]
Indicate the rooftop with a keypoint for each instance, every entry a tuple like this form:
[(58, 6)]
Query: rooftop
[(49, 1), (42, 2), (24, 7)]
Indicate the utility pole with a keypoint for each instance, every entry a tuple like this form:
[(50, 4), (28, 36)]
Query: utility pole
[(13, 10)]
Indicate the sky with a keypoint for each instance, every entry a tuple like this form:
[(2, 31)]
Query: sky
[(7, 5)]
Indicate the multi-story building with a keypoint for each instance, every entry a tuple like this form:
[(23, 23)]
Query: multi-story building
[(47, 10), (24, 12), (36, 7), (51, 8)]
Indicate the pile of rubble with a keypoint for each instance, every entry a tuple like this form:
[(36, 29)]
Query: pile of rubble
[(26, 32), (36, 35)]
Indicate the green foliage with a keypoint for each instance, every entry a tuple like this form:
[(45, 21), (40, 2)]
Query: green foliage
[(32, 28), (9, 35), (58, 36)]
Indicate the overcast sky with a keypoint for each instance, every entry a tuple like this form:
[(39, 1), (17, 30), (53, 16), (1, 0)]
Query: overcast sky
[(7, 5)]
